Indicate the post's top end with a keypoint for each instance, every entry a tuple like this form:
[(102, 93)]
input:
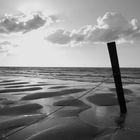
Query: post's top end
[(111, 43)]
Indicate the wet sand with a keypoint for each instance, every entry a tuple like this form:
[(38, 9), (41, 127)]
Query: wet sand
[(107, 99), (126, 91), (10, 124), (19, 90), (76, 105), (73, 129), (52, 94), (30, 85), (29, 102), (12, 83), (57, 87), (20, 109)]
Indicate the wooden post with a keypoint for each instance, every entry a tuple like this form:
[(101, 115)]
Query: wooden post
[(117, 75)]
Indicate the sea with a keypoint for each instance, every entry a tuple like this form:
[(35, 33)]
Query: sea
[(90, 74)]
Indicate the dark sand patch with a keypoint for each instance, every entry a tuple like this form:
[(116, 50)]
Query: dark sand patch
[(79, 107), (42, 82), (32, 85), (7, 81), (20, 109), (57, 87), (5, 101), (70, 102), (20, 90), (69, 129), (47, 83), (104, 99), (17, 83), (2, 98), (126, 91), (52, 94), (130, 83), (20, 86), (8, 125)]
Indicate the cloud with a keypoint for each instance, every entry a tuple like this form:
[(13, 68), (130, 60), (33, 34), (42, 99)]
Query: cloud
[(110, 27), (24, 24), (60, 36), (56, 18), (6, 46)]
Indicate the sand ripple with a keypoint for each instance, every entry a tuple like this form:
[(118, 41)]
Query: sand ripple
[(17, 83), (73, 129), (20, 90), (20, 109), (78, 105), (8, 125), (52, 94)]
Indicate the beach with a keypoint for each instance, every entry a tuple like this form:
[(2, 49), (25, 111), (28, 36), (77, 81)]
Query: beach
[(67, 104)]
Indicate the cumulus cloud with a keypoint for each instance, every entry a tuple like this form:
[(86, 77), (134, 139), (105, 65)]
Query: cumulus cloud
[(23, 24), (60, 36), (110, 27)]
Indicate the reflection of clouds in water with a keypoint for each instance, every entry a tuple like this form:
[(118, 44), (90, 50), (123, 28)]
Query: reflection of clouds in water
[(100, 111), (120, 121)]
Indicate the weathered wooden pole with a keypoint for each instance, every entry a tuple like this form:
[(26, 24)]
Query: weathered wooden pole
[(117, 75)]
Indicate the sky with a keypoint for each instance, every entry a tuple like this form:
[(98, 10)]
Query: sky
[(69, 33)]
